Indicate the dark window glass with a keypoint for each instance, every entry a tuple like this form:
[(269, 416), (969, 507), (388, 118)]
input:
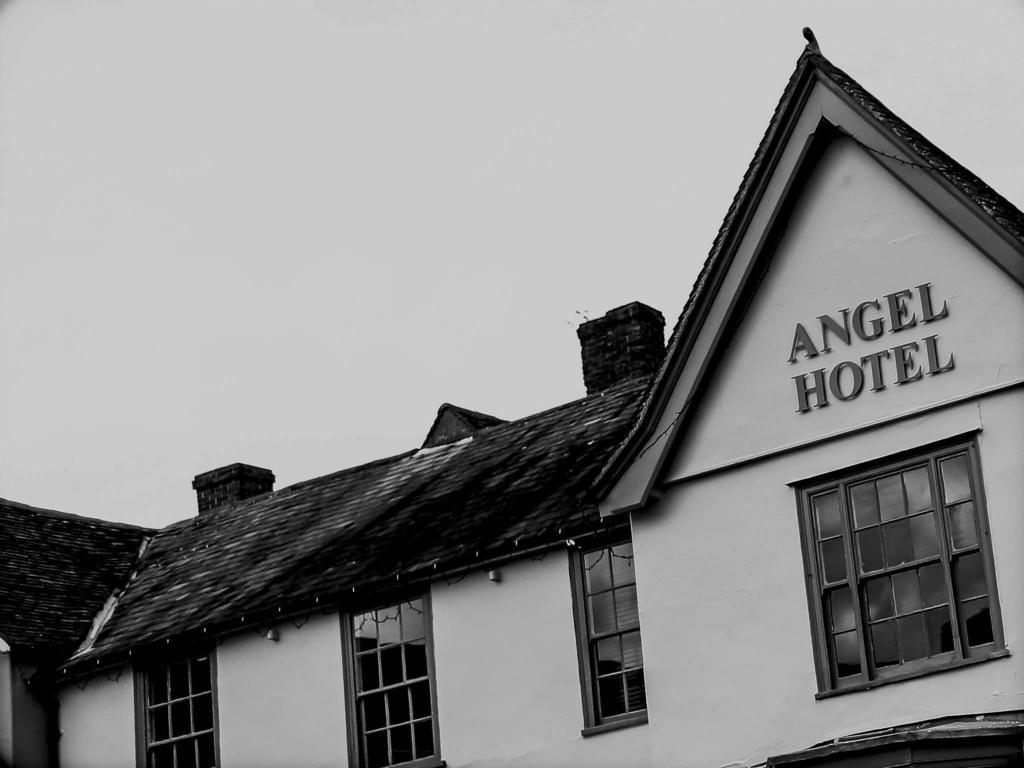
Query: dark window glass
[(396, 724), (919, 591), (612, 621), (423, 733)]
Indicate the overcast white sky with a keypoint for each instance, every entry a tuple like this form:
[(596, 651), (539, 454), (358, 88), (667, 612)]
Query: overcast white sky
[(285, 232)]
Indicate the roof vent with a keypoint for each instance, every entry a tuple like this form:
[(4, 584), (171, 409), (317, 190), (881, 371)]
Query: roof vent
[(454, 423), (628, 342), (230, 484)]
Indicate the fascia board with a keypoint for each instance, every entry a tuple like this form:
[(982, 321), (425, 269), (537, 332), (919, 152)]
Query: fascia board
[(723, 295)]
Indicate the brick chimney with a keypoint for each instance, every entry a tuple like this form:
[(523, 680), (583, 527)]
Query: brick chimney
[(229, 484), (628, 342)]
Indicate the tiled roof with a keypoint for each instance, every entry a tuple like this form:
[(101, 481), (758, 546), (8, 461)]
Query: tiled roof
[(811, 61), (342, 538), (56, 572)]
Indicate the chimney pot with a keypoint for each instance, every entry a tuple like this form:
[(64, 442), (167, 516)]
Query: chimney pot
[(628, 342), (230, 484)]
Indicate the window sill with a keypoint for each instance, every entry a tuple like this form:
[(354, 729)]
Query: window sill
[(998, 654), (640, 718)]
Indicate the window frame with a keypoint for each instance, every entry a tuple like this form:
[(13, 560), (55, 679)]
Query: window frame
[(841, 481), (593, 722), (141, 680), (353, 730)]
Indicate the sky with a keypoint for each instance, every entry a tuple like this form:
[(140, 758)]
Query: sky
[(285, 233)]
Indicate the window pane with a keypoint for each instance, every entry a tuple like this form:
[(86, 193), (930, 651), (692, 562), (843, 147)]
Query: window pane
[(939, 630), (880, 604), (826, 510), (609, 655), (626, 608), (922, 532), (636, 696), (415, 660), (598, 570), (865, 504), (201, 675), (179, 679), (908, 592), (158, 686), (869, 543), (388, 628), (955, 482), (401, 744), (159, 726), (377, 749), (424, 735), (622, 564), (365, 630), (898, 547), (890, 498), (962, 528), (841, 609), (398, 706), (933, 585), (978, 621), (412, 620), (913, 643), (632, 653), (833, 559), (207, 756), (163, 757), (369, 672), (883, 644), (970, 576), (602, 613), (919, 491), (612, 695), (185, 751), (374, 716), (202, 712), (847, 651), (181, 721), (391, 665), (420, 699)]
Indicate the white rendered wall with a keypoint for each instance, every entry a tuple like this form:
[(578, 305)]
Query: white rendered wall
[(508, 684), (726, 631), (97, 722), (856, 235), (727, 637), (282, 703)]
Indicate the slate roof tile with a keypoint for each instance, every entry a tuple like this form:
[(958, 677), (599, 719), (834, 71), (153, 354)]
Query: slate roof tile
[(413, 516), (56, 571)]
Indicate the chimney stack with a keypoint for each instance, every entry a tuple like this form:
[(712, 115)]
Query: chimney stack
[(229, 484), (628, 342)]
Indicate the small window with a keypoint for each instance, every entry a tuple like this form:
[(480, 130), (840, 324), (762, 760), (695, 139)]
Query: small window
[(179, 714), (608, 632), (901, 569), (393, 713)]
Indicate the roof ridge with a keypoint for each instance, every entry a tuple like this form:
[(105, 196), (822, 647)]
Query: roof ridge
[(58, 514)]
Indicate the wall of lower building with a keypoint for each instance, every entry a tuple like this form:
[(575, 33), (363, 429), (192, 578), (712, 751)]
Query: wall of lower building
[(508, 676), (281, 703), (97, 721), (6, 709), (727, 638), (31, 720)]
